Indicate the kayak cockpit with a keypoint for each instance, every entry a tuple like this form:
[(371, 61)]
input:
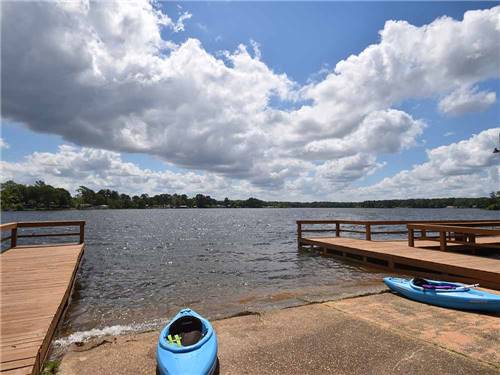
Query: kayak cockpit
[(189, 329), (441, 286)]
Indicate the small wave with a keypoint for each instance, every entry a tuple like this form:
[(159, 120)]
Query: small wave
[(116, 330)]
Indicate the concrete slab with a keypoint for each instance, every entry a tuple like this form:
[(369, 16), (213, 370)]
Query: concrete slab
[(328, 338), (471, 334)]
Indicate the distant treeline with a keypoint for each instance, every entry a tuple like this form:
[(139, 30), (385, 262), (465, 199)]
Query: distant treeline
[(491, 203), (41, 196)]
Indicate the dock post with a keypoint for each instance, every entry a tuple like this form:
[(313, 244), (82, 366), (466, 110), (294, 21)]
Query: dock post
[(299, 235), (411, 237), (337, 229), (368, 230), (442, 241), (82, 232), (13, 237)]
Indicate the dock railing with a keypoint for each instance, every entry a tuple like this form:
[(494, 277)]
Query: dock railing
[(461, 233), (15, 232), (366, 227)]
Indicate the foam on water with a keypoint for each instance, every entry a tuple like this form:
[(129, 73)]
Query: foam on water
[(115, 330)]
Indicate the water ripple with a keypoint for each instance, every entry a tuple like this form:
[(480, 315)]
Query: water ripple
[(143, 265)]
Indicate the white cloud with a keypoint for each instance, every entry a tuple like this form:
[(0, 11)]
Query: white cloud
[(467, 99), (3, 144), (102, 76), (465, 168), (409, 62), (256, 48), (179, 25), (202, 26), (348, 169), (124, 94), (71, 167), (388, 131)]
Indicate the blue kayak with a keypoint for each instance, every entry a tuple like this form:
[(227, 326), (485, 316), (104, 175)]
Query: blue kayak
[(445, 294), (187, 345)]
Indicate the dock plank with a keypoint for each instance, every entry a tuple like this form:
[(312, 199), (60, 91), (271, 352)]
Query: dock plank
[(25, 370), (36, 283), (21, 366)]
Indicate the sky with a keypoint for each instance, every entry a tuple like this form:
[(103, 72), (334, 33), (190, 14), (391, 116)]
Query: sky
[(338, 101)]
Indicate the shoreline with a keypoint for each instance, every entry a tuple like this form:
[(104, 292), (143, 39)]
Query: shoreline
[(395, 333), (251, 304), (96, 208)]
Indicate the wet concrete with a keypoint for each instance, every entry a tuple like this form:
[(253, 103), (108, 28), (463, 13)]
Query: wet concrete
[(380, 334)]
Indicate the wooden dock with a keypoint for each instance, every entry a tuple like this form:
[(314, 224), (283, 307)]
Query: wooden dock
[(36, 285), (426, 258)]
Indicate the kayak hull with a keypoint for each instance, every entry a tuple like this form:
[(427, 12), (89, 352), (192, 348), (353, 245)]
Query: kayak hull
[(197, 359), (462, 298)]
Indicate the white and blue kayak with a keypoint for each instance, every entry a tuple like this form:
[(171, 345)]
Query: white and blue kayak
[(445, 294), (187, 346)]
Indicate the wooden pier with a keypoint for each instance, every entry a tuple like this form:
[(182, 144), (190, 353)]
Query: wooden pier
[(36, 285), (426, 255)]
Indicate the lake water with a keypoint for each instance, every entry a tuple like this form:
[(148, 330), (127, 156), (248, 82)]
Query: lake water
[(141, 266)]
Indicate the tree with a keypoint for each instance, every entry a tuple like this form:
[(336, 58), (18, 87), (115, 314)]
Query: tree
[(12, 195), (254, 203), (87, 195), (37, 196), (494, 201)]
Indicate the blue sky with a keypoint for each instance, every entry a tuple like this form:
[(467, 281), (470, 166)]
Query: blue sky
[(303, 41)]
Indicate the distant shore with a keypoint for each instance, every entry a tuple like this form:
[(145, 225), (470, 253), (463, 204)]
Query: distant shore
[(98, 208), (42, 196)]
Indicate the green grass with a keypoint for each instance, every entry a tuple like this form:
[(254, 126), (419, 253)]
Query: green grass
[(51, 367)]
